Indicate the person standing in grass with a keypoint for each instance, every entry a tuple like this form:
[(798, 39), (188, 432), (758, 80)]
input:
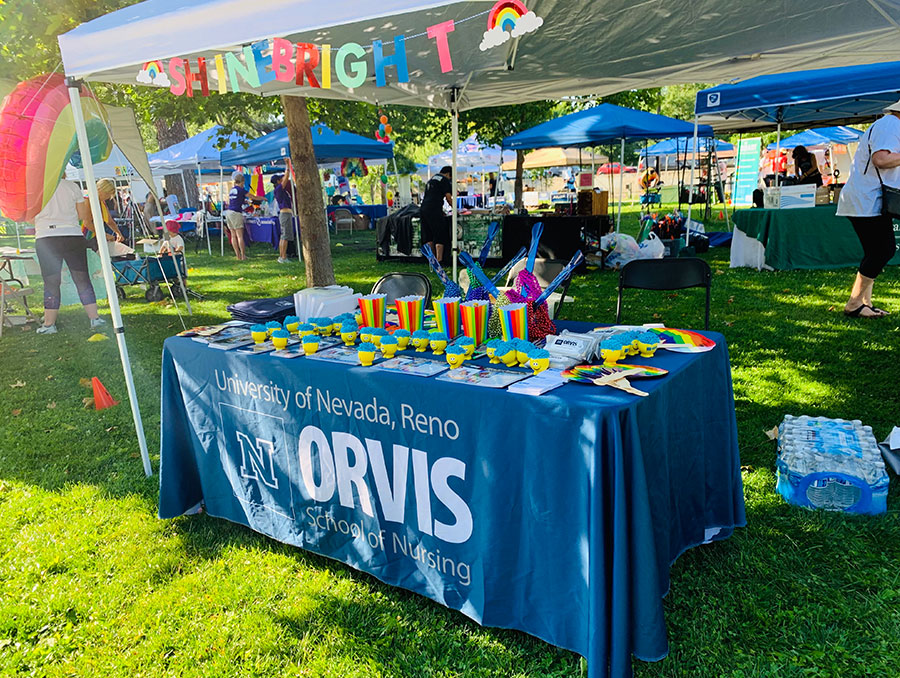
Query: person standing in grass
[(58, 239), (234, 215), (877, 161), (283, 191)]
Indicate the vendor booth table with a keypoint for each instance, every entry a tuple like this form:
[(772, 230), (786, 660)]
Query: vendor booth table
[(374, 212), (804, 238), (262, 229), (556, 515)]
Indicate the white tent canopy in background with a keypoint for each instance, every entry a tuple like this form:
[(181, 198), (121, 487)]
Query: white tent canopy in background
[(557, 157), (471, 154), (583, 46)]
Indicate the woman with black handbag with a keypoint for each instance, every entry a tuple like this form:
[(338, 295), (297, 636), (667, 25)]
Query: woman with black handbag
[(871, 200)]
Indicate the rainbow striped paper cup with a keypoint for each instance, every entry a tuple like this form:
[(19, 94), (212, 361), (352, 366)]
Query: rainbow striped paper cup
[(446, 314), (372, 307), (474, 316), (514, 321), (411, 312)]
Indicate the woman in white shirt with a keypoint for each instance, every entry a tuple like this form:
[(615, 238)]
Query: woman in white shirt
[(860, 201), (58, 239)]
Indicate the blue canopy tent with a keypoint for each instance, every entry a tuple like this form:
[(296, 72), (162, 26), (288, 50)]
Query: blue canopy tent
[(330, 146), (603, 124), (683, 146), (796, 100), (823, 136), (200, 151)]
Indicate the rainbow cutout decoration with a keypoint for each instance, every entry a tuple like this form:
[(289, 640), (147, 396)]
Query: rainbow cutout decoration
[(585, 374), (37, 140), (508, 19), (153, 73), (354, 167), (683, 341)]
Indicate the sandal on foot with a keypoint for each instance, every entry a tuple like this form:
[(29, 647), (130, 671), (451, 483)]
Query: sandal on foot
[(857, 312), (880, 312)]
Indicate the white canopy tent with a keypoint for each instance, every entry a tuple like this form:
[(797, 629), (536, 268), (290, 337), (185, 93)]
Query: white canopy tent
[(454, 57)]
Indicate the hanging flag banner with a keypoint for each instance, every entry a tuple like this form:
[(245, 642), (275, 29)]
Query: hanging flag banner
[(746, 178), (323, 66)]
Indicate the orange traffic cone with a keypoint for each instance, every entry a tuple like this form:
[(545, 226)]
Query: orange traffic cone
[(102, 398)]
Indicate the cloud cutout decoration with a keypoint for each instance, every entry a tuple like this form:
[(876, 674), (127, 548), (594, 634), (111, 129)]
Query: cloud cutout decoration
[(162, 80), (527, 23), (144, 78), (493, 38)]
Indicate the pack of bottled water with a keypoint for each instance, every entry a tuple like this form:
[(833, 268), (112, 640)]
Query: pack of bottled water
[(832, 464)]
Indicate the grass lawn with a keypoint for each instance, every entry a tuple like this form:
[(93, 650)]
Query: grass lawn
[(93, 584)]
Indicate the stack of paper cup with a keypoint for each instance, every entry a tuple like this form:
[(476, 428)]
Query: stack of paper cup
[(411, 312), (514, 321), (475, 320), (446, 314), (372, 307)]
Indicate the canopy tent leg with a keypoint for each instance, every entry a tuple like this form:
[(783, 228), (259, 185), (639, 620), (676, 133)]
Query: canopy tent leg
[(18, 239), (203, 209), (778, 152), (721, 182), (621, 185), (687, 234), (397, 179), (454, 128), (221, 212), (295, 217), (108, 277)]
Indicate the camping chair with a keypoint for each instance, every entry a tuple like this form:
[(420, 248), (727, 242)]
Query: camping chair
[(665, 274), (545, 270), (396, 285), (343, 216)]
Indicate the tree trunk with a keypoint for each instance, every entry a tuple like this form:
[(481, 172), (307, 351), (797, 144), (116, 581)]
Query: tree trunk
[(169, 135), (310, 208), (520, 172)]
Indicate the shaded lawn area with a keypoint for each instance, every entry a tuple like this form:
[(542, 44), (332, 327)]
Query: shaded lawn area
[(92, 583)]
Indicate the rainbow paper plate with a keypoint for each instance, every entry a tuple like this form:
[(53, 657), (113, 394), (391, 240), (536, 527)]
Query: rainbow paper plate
[(683, 341), (585, 374)]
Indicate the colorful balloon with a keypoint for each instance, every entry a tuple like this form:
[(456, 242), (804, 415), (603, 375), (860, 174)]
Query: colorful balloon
[(383, 120), (388, 129), (382, 128), (37, 140), (386, 139)]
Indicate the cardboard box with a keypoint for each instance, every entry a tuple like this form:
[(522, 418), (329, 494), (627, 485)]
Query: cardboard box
[(789, 197)]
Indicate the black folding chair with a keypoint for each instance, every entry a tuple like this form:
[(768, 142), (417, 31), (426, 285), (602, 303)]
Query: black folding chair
[(665, 274), (396, 285)]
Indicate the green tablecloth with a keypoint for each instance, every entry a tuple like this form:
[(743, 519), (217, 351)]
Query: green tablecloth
[(810, 238)]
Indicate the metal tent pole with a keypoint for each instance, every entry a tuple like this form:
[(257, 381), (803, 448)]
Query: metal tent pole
[(778, 153), (454, 126), (687, 235), (621, 185), (203, 209), (221, 212), (108, 277)]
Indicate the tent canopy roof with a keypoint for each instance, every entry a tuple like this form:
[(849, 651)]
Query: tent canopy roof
[(685, 145), (557, 157), (563, 57), (823, 136), (329, 146), (840, 95), (471, 153), (601, 124), (198, 151)]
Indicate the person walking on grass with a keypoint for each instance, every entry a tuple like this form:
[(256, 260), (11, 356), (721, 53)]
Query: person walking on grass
[(877, 162), (58, 239), (283, 191), (234, 215)]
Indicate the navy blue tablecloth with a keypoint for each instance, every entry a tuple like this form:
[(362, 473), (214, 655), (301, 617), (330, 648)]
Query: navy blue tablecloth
[(262, 229), (374, 212), (556, 515)]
